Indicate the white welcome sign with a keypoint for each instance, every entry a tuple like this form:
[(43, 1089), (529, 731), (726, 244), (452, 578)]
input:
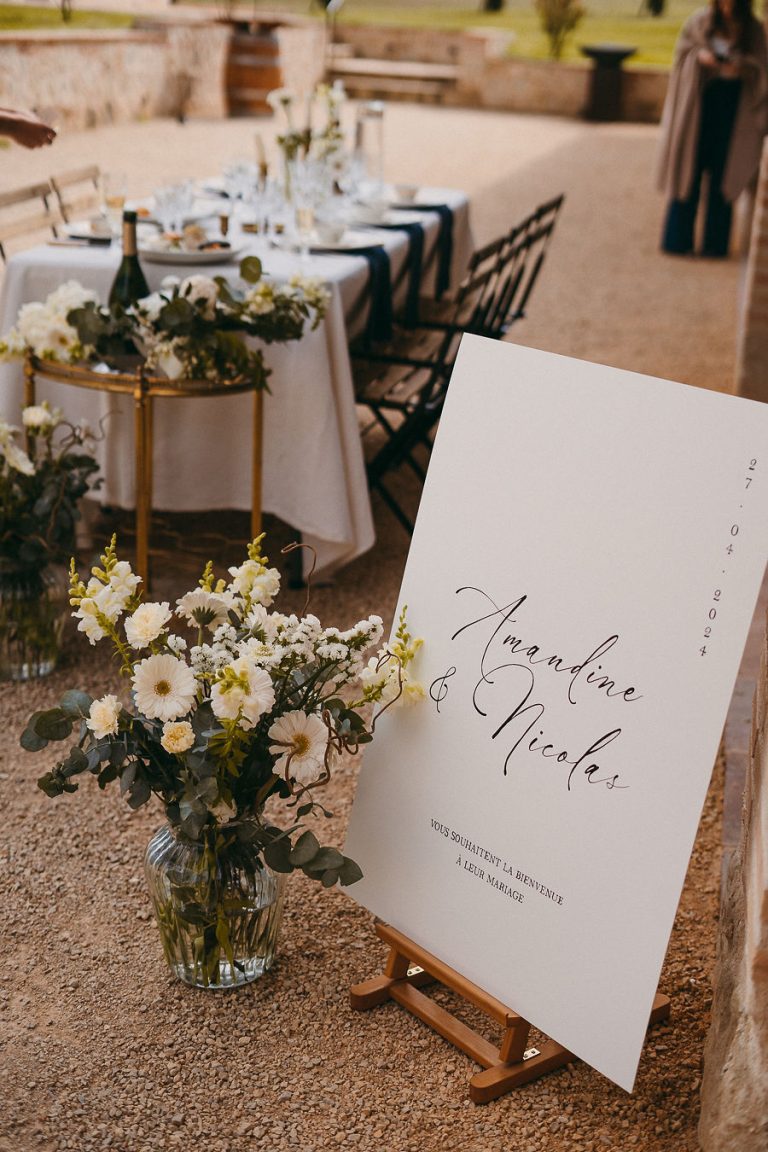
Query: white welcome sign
[(588, 553)]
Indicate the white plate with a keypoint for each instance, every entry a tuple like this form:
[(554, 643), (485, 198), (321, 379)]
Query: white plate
[(351, 239), (181, 256), (387, 217)]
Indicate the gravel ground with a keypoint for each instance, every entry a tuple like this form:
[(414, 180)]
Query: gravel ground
[(99, 1048)]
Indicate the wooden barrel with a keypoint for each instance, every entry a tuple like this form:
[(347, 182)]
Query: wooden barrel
[(253, 69)]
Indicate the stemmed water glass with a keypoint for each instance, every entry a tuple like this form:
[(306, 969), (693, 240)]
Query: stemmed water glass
[(311, 187), (112, 190)]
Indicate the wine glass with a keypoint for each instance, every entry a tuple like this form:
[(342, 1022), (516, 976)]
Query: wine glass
[(112, 189)]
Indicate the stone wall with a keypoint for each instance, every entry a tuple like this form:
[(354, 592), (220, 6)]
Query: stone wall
[(734, 1098), (752, 358), (79, 80), (488, 77)]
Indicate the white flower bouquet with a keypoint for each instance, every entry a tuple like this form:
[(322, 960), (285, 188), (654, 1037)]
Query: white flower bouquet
[(195, 328), (321, 140), (254, 704), (258, 703)]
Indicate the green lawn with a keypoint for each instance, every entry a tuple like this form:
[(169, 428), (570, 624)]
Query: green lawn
[(20, 18), (614, 21)]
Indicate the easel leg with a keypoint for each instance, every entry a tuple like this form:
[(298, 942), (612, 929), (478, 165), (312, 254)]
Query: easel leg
[(509, 1066)]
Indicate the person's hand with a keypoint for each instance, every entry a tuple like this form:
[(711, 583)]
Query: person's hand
[(707, 58), (28, 130)]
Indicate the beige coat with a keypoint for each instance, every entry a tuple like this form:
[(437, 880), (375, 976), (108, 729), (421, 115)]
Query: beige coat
[(682, 112)]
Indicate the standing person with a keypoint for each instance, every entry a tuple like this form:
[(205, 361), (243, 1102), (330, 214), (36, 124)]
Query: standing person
[(25, 128), (715, 116)]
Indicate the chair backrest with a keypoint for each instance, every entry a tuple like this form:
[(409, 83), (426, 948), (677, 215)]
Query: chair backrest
[(29, 212), (522, 261), (78, 191)]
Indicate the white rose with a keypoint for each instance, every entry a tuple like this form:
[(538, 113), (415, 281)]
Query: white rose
[(201, 289), (152, 306)]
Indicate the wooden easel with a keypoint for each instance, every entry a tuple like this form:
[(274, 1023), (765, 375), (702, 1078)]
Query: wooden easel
[(513, 1063)]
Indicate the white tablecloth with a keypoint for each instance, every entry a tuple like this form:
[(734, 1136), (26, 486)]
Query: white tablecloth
[(314, 474)]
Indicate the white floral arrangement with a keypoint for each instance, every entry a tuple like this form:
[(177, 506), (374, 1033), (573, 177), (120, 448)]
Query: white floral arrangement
[(193, 328), (254, 703), (321, 141)]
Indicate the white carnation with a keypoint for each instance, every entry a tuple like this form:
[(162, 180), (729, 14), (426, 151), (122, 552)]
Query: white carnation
[(177, 737), (146, 624), (40, 416), (103, 717)]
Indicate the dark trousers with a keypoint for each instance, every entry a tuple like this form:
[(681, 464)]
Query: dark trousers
[(720, 100)]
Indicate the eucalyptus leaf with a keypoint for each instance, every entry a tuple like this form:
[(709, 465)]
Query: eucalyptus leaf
[(277, 855), (326, 858), (350, 872), (30, 741), (139, 794), (107, 775), (250, 269), (304, 850), (76, 704), (53, 724)]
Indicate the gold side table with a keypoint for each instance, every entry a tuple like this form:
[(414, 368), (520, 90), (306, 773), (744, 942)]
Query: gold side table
[(144, 389)]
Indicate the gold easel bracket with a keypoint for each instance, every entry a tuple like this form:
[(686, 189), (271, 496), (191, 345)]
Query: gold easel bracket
[(511, 1064)]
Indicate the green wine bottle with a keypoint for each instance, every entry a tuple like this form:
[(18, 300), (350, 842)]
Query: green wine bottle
[(129, 284)]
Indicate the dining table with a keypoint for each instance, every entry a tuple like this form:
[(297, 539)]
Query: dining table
[(314, 475)]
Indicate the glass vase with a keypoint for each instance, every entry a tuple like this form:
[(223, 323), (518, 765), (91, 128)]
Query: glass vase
[(216, 903), (34, 606)]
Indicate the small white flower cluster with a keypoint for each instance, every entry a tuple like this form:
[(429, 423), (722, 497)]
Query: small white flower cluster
[(44, 329), (312, 289)]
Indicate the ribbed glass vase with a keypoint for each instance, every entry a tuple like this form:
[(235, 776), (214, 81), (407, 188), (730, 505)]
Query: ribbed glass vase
[(217, 905), (34, 606)]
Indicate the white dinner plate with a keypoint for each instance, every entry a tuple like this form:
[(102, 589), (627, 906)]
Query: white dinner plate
[(182, 256), (389, 216), (352, 238)]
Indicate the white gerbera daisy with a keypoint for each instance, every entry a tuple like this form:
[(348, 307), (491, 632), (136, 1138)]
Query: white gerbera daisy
[(244, 692), (103, 717), (202, 609), (164, 687), (146, 624), (300, 743)]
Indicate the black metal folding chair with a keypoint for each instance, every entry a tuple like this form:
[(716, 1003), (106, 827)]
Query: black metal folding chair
[(400, 388), (523, 259)]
